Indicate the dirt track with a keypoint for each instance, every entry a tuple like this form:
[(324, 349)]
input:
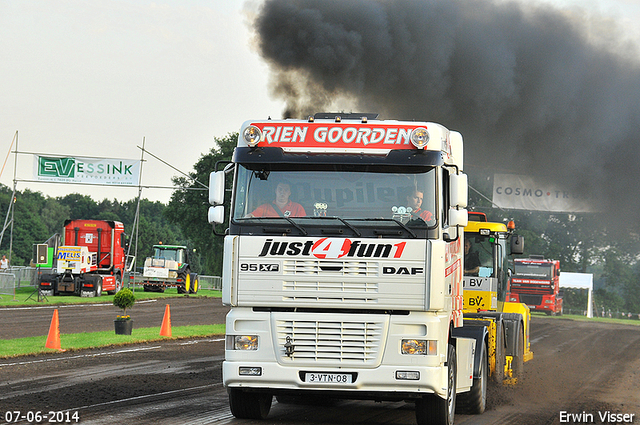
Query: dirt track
[(577, 367)]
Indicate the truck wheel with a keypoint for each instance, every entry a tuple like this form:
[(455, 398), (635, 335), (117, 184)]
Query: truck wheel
[(194, 284), (433, 410), (77, 284), (249, 405), (98, 287), (118, 285), (475, 401)]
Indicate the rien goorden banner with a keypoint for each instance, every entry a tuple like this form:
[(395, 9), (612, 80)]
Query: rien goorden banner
[(117, 172), (525, 193)]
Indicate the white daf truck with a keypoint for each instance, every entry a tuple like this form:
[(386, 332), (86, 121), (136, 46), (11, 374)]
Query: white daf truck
[(341, 284)]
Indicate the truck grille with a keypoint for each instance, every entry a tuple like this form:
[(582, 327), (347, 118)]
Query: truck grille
[(338, 288), (531, 299), (341, 286), (341, 268), (330, 342)]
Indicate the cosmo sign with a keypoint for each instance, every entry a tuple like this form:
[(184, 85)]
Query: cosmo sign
[(339, 135), (119, 172)]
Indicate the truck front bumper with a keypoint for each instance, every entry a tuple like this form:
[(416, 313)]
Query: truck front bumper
[(381, 383)]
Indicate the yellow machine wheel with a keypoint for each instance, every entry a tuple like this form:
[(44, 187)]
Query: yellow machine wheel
[(194, 284), (185, 287), (187, 284)]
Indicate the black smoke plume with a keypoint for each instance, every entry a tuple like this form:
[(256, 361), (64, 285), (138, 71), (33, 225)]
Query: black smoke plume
[(533, 89)]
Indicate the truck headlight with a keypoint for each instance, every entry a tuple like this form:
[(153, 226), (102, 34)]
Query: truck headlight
[(252, 135), (242, 342), (419, 347), (420, 137)]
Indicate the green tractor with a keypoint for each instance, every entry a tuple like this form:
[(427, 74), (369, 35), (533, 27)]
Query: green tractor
[(169, 267)]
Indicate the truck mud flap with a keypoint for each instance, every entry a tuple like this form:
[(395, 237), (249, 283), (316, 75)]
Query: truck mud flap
[(48, 284), (465, 349), (512, 326), (91, 286), (477, 333)]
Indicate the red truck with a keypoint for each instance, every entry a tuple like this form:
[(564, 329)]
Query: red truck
[(90, 259), (536, 282)]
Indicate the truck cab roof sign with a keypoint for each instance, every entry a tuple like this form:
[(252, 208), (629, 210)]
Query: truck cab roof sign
[(381, 135)]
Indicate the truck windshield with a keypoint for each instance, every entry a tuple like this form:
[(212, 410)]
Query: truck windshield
[(344, 192), (479, 255), (169, 254)]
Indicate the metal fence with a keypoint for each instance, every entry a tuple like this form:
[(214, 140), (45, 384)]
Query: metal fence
[(20, 277), (204, 282), (7, 284), (210, 282)]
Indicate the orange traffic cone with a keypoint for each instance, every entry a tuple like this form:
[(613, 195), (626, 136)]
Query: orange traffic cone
[(165, 330), (53, 340)]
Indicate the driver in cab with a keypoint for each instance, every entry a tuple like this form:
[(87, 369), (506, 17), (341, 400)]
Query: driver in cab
[(282, 206)]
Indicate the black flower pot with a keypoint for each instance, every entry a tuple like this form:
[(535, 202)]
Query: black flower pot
[(123, 327)]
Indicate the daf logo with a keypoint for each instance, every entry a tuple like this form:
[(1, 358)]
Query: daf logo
[(289, 347), (402, 270)]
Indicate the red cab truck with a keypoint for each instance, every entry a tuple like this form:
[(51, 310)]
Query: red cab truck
[(536, 282), (89, 260)]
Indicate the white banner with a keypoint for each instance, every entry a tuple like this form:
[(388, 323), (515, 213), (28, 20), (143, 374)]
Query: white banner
[(117, 172), (524, 193)]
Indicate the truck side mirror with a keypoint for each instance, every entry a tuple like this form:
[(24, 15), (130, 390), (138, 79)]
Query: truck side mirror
[(459, 190), (517, 244), (216, 214), (216, 188), (458, 217)]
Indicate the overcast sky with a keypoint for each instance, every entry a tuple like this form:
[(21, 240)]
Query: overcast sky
[(96, 77)]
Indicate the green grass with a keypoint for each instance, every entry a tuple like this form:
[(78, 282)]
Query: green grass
[(23, 293), (36, 344), (582, 318)]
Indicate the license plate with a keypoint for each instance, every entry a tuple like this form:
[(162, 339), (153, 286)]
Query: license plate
[(328, 378)]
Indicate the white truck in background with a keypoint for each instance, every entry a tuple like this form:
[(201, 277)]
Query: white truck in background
[(351, 290)]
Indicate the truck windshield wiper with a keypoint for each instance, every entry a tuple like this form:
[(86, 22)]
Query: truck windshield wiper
[(293, 223), (393, 220), (296, 225), (342, 220)]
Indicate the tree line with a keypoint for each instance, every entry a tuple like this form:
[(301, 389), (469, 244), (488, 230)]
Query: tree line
[(183, 221), (38, 217), (582, 242)]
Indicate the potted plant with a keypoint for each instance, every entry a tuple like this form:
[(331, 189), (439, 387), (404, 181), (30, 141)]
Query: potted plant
[(124, 299)]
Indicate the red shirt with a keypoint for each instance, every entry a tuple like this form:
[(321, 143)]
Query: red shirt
[(292, 209), (423, 214)]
